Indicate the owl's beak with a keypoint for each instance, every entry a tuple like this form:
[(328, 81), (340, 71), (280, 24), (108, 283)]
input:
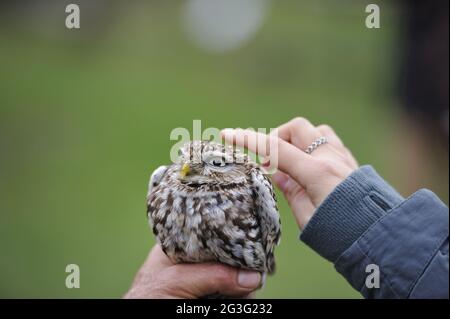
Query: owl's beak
[(185, 170)]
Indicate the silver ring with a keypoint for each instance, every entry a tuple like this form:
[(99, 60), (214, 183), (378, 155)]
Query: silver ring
[(320, 141)]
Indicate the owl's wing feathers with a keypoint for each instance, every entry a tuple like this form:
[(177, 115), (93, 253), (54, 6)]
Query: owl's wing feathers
[(266, 206)]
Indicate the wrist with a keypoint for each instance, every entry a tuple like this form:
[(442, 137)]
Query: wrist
[(345, 214)]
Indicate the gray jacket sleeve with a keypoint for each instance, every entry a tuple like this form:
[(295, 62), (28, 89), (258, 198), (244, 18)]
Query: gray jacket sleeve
[(366, 228)]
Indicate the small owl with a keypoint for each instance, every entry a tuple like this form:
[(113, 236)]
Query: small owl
[(214, 204)]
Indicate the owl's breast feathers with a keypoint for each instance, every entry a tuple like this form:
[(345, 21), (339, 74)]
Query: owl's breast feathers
[(236, 223)]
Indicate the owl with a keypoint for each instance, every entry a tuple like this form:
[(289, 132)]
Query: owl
[(214, 205)]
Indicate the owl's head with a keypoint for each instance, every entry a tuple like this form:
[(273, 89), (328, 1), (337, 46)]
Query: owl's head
[(204, 162)]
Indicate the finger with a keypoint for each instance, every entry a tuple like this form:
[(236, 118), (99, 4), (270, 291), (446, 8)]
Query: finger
[(352, 160), (299, 132), (297, 197), (199, 280), (251, 295), (337, 143), (329, 151), (330, 134), (334, 145), (280, 153)]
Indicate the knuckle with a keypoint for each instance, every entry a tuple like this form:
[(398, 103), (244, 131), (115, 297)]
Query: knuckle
[(326, 128), (299, 121)]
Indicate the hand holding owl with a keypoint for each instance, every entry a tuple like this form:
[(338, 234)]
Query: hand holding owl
[(246, 228), (159, 277)]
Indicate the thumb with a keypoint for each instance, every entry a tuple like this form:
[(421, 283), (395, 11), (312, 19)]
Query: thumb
[(297, 197), (200, 280)]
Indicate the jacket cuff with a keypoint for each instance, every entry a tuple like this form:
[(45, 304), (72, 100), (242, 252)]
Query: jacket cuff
[(353, 206)]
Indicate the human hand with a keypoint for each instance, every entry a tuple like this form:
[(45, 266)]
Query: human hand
[(160, 278), (305, 179)]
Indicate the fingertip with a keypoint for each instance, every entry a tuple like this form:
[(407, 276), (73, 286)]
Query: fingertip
[(280, 179), (249, 279), (214, 278), (234, 281)]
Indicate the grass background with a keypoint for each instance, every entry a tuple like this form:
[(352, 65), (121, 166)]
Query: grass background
[(85, 117)]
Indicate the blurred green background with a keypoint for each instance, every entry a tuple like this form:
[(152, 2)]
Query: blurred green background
[(85, 116)]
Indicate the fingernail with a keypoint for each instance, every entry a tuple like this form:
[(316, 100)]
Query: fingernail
[(265, 162), (249, 279)]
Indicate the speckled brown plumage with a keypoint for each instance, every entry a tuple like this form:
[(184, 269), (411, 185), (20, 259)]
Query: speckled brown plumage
[(223, 209)]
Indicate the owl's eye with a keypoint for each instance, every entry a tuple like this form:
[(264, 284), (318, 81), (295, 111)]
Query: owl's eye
[(180, 152), (216, 161)]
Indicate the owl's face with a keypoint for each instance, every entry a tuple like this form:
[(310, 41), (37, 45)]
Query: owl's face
[(203, 162)]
